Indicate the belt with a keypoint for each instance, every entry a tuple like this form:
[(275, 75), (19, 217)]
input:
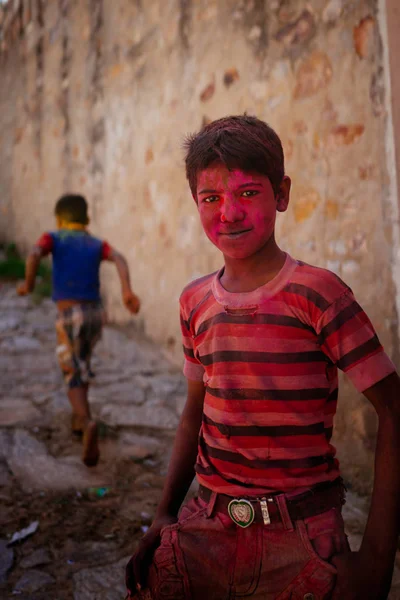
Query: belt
[(274, 508)]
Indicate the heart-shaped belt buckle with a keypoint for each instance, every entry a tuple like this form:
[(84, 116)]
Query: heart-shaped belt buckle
[(241, 512)]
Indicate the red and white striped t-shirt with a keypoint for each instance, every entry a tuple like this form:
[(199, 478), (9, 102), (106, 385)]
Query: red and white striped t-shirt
[(269, 361)]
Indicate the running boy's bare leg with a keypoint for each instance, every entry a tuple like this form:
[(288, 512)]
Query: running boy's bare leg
[(81, 421), (80, 409)]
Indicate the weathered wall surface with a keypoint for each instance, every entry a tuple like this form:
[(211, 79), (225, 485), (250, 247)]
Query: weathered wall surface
[(96, 97)]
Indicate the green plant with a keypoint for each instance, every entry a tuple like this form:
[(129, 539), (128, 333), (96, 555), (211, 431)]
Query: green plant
[(12, 268), (11, 251)]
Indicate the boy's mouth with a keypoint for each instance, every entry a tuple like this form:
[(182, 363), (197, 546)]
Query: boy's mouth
[(235, 234)]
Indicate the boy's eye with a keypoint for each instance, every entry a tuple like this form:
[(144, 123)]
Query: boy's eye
[(210, 199), (249, 193)]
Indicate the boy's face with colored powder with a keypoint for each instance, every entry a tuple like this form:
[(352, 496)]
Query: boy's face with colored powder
[(238, 208)]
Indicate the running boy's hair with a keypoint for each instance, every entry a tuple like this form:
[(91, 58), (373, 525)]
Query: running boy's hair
[(240, 142), (72, 208)]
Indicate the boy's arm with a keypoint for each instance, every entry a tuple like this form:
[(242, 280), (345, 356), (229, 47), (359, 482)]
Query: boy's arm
[(368, 573), (348, 338), (180, 475), (181, 468), (43, 246), (31, 268), (130, 299)]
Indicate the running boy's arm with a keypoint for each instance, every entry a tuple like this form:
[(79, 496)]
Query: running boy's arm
[(40, 249), (368, 573), (180, 475), (130, 299)]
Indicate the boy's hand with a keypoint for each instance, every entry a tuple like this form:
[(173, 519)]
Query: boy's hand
[(131, 301), (23, 289), (357, 579), (137, 568)]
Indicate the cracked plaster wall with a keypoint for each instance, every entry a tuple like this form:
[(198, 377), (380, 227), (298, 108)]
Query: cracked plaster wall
[(98, 95)]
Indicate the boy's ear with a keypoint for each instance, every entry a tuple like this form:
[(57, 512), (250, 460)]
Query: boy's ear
[(283, 195)]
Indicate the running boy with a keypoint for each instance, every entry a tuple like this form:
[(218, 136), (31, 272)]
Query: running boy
[(76, 290), (263, 339)]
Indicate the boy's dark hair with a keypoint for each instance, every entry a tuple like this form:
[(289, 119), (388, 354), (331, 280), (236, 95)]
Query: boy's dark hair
[(72, 208), (239, 142)]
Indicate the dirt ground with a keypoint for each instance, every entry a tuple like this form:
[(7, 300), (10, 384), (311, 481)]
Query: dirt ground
[(90, 520), (78, 530)]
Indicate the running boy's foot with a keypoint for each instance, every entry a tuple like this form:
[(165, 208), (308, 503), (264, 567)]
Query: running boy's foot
[(91, 454)]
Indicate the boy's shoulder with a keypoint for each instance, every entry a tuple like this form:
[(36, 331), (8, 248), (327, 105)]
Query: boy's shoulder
[(197, 289), (311, 280), (73, 236)]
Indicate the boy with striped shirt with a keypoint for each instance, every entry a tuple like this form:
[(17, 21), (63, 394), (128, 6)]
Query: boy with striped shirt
[(263, 339)]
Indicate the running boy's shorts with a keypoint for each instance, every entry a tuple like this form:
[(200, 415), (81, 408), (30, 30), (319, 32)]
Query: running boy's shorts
[(78, 330)]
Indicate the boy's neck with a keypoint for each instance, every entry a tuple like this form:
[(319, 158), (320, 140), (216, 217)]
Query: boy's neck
[(248, 274), (72, 226)]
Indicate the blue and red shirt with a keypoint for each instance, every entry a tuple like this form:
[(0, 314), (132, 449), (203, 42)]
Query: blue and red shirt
[(76, 263)]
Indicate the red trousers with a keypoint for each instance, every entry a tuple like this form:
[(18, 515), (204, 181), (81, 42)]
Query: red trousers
[(206, 556)]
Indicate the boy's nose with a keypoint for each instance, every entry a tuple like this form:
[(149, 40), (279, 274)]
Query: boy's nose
[(231, 211)]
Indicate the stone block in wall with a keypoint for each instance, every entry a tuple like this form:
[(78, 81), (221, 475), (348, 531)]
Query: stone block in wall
[(27, 14), (332, 11), (33, 33), (363, 35), (313, 75), (298, 32)]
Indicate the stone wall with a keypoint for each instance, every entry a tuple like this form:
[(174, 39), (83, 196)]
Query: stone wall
[(98, 96)]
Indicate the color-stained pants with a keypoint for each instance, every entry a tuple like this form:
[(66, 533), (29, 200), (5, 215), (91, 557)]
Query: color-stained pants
[(78, 331), (208, 557)]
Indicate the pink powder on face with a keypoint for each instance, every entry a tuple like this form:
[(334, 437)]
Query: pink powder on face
[(237, 209)]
